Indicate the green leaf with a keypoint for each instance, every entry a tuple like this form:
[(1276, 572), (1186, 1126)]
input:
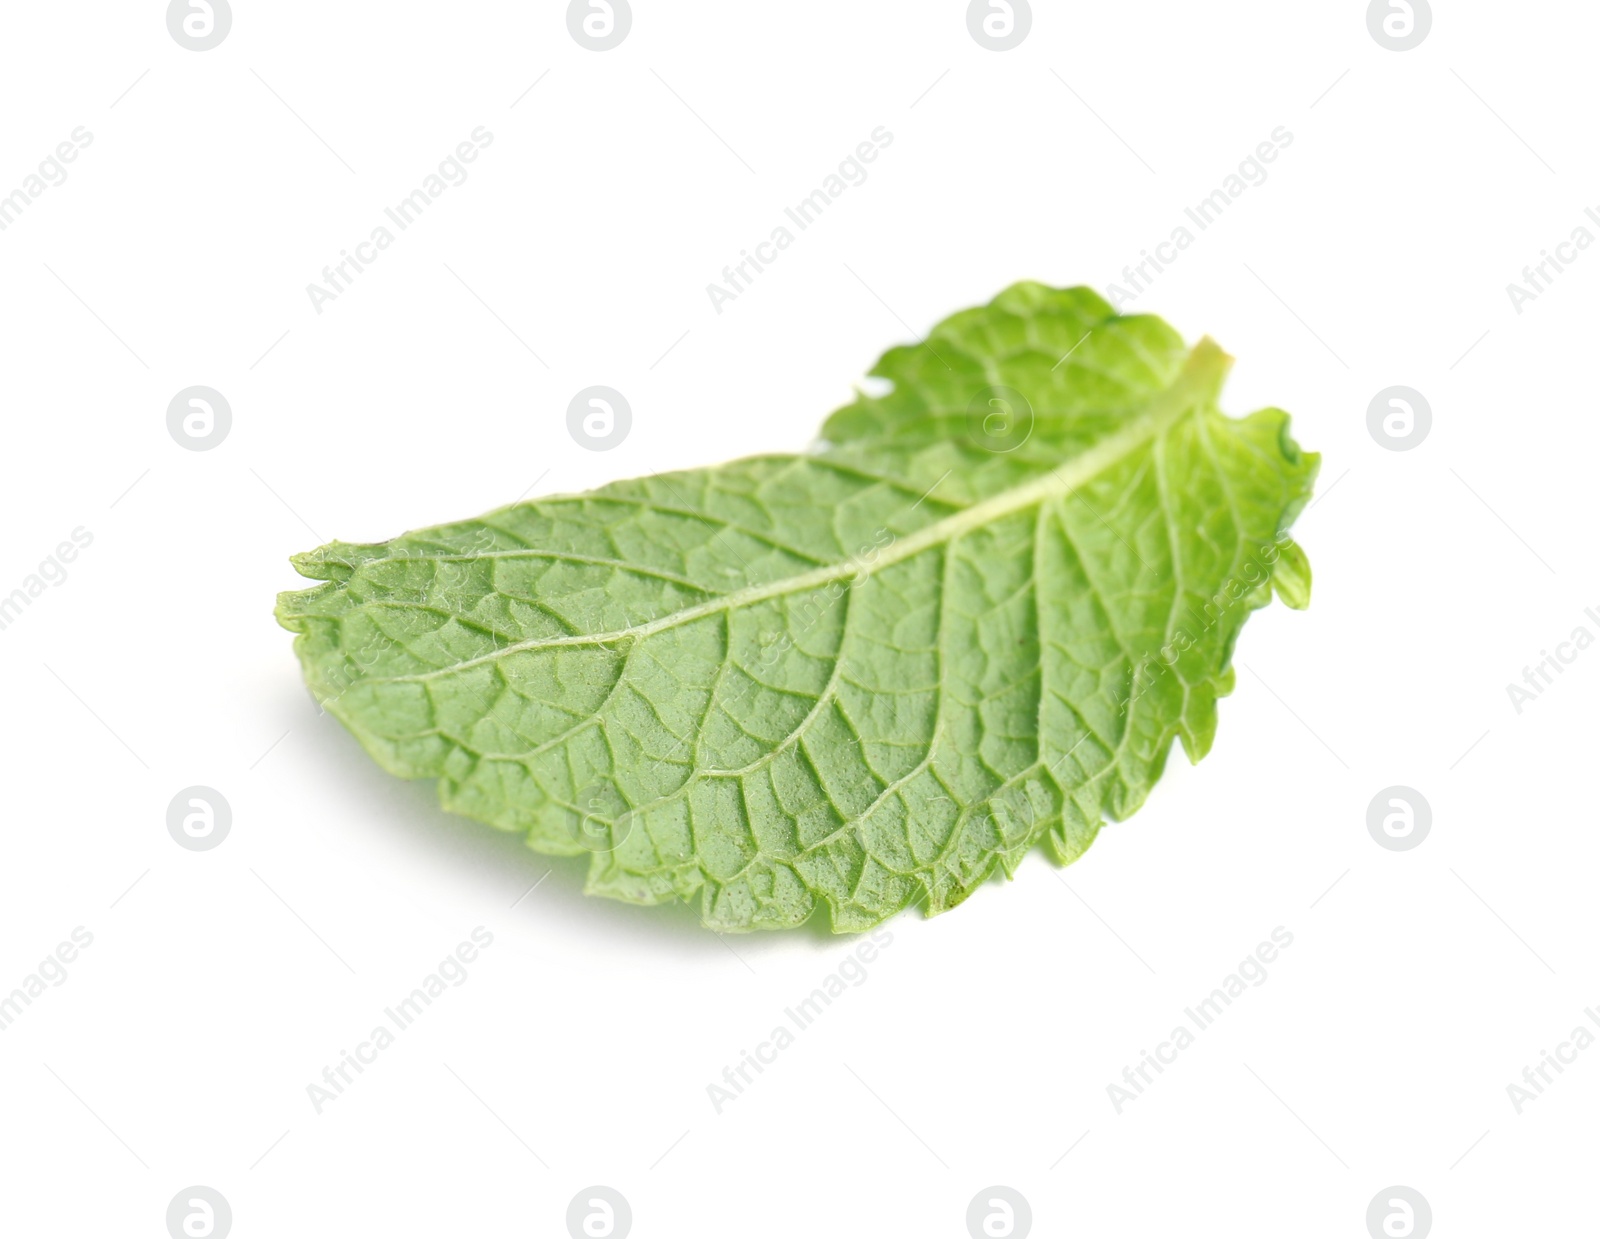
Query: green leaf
[(1291, 575), (970, 623)]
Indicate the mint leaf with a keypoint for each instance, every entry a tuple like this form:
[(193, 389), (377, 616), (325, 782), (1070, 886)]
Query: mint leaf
[(970, 623)]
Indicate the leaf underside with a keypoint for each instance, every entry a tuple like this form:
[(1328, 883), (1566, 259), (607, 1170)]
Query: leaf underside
[(971, 622)]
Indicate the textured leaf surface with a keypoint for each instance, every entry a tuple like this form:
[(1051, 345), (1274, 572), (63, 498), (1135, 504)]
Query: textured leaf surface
[(971, 622)]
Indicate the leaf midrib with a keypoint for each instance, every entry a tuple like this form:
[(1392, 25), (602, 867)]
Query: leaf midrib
[(1200, 378)]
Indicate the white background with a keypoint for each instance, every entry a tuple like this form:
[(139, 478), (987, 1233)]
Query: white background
[(980, 1048)]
